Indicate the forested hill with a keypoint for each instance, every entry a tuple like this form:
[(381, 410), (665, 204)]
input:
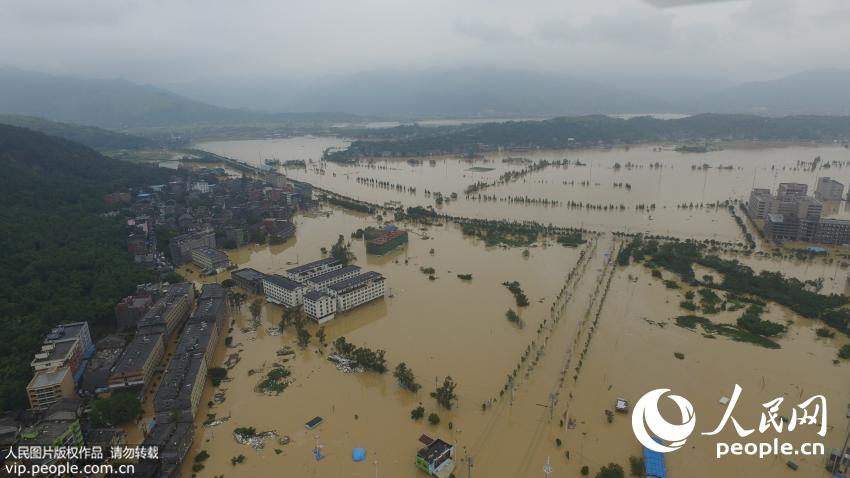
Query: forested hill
[(584, 131), (91, 136), (62, 259)]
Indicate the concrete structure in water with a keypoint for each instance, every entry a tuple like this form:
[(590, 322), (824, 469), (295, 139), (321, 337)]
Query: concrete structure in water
[(829, 189), (249, 279), (312, 269), (793, 216), (436, 458), (386, 242), (320, 306), (283, 291), (357, 290)]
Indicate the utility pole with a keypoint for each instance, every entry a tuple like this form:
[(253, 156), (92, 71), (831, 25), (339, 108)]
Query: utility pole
[(468, 463), (842, 451), (547, 468)]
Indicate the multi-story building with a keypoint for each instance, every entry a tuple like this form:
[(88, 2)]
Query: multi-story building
[(138, 363), (59, 426), (210, 260), (357, 290), (312, 269), (183, 383), (80, 330), (130, 310), (833, 231), (284, 291), (386, 242), (759, 204), (209, 310), (57, 354), (181, 247), (249, 279), (169, 313), (319, 306), (829, 189), (49, 386), (321, 282), (789, 191)]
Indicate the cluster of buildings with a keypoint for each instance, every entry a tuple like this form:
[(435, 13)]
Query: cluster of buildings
[(206, 210), (322, 287), (56, 416), (179, 393), (792, 215)]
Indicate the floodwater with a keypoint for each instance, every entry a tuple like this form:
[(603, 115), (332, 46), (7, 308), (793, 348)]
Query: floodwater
[(593, 333), (637, 189), (451, 327)]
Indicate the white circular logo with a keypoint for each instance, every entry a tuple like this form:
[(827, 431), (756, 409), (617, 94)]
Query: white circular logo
[(647, 419)]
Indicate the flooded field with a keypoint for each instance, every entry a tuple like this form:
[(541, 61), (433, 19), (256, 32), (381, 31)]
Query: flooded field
[(639, 189), (609, 334)]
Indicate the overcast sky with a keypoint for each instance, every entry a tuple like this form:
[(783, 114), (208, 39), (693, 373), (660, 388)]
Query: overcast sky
[(162, 41)]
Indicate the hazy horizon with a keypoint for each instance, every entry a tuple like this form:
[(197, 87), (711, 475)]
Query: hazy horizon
[(162, 43)]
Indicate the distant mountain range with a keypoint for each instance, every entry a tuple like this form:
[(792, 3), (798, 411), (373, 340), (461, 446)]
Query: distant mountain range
[(91, 136), (120, 104), (461, 92)]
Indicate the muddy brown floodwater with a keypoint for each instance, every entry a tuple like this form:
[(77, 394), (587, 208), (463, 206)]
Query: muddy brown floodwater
[(610, 334)]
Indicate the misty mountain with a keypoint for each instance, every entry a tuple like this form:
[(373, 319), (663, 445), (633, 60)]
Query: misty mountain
[(470, 92), (91, 136), (812, 92), (500, 92), (120, 104)]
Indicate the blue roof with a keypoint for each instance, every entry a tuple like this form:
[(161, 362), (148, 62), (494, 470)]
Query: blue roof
[(654, 463)]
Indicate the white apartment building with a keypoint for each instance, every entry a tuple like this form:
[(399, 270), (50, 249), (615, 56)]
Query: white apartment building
[(283, 291), (312, 269), (357, 290), (319, 306), (323, 281)]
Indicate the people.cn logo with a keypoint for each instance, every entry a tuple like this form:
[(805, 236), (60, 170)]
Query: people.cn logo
[(647, 422)]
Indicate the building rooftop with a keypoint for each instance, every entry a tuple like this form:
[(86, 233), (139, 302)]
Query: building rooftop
[(209, 310), (330, 261), (329, 276), (387, 237), (354, 282), (137, 353), (212, 254), (175, 390), (315, 295), (66, 331), (282, 282), (434, 450), (47, 378), (211, 291), (55, 350), (248, 274)]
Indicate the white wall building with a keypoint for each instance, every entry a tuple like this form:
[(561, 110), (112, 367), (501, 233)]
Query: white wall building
[(319, 306), (357, 290), (284, 291), (312, 269), (323, 281)]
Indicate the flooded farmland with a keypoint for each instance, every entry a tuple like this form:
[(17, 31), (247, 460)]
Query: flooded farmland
[(591, 334), (639, 189)]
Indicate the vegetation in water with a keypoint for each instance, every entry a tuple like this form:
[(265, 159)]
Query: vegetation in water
[(516, 290), (406, 378), (445, 393), (118, 409), (727, 330), (362, 356)]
